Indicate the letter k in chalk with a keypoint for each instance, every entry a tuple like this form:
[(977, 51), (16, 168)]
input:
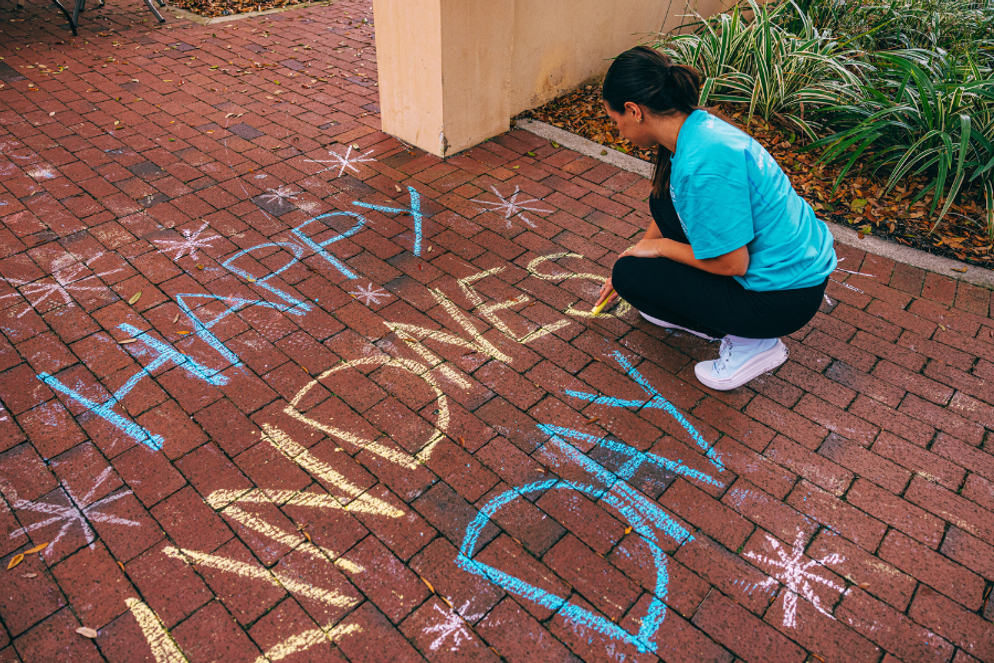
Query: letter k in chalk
[(414, 211)]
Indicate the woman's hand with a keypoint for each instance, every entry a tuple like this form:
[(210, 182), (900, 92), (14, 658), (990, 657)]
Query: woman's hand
[(606, 295), (647, 248)]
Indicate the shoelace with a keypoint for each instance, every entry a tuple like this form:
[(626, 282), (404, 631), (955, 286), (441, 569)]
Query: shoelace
[(724, 354)]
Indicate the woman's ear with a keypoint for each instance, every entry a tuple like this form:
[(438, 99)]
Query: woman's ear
[(634, 109)]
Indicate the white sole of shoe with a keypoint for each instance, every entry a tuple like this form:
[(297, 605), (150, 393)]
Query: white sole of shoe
[(667, 325), (764, 362)]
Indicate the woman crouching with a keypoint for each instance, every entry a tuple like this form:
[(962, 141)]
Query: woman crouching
[(732, 251)]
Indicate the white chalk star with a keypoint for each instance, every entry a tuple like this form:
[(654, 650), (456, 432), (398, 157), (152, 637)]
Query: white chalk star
[(343, 162), (451, 625), (284, 192), (512, 206), (795, 576), (79, 512), (188, 245), (65, 279), (370, 294)]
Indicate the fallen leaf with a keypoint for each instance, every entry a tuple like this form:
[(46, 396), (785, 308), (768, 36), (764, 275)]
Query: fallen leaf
[(87, 632), (308, 537), (14, 561), (399, 190), (462, 442), (135, 297), (355, 146), (176, 319), (121, 564), (182, 333), (592, 420), (29, 575), (430, 588), (127, 340), (628, 530), (961, 270), (38, 548)]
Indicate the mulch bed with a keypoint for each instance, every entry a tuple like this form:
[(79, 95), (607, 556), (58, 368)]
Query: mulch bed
[(215, 8), (858, 202)]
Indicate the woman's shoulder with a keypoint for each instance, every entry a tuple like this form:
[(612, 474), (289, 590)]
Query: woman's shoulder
[(711, 146), (710, 133)]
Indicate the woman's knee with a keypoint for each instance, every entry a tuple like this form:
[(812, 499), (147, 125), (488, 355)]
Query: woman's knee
[(625, 275)]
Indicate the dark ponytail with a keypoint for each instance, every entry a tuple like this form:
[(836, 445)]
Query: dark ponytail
[(649, 78)]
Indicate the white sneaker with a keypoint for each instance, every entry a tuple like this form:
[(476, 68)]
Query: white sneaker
[(740, 360), (667, 325)]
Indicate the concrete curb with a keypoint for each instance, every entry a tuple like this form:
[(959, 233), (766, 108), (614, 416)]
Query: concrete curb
[(978, 276)]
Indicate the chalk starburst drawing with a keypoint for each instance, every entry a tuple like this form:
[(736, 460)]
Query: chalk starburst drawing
[(450, 626), (796, 577), (343, 162), (284, 192), (370, 295), (64, 280), (513, 206), (189, 244), (80, 512)]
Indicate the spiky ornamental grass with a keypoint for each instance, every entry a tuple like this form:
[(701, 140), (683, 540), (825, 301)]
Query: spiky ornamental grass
[(902, 88)]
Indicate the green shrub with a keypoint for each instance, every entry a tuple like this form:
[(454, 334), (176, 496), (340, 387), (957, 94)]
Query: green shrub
[(914, 115), (901, 87), (754, 61)]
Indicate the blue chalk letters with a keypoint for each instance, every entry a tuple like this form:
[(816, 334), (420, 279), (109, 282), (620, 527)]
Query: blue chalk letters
[(414, 211), (656, 401), (611, 489)]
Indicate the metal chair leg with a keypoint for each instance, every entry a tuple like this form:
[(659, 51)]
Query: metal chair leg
[(148, 3), (69, 17)]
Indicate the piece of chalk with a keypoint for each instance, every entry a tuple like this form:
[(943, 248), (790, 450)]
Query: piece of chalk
[(600, 307)]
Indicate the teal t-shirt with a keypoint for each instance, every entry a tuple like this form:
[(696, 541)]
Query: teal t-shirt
[(729, 192)]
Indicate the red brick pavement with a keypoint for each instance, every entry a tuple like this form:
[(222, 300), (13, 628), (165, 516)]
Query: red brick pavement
[(360, 469)]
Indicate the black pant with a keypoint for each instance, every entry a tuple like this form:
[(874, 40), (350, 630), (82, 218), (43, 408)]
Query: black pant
[(708, 303)]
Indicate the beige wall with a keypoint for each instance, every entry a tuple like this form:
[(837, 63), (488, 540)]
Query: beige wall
[(453, 72), (561, 44)]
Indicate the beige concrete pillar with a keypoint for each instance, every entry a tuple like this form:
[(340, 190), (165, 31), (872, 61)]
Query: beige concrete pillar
[(453, 72), (444, 70)]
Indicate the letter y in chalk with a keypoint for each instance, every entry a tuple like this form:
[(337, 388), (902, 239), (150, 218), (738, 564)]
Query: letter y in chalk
[(414, 211)]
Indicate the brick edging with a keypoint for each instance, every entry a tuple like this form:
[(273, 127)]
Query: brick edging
[(948, 267)]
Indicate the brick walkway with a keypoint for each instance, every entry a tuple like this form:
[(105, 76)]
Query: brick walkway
[(275, 385)]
